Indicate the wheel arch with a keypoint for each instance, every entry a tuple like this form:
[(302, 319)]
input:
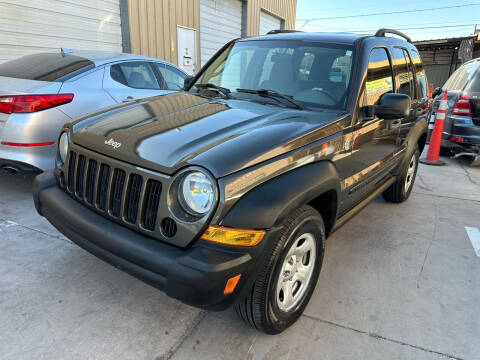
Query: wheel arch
[(270, 203)]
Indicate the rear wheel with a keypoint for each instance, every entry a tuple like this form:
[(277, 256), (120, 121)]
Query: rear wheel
[(400, 190), (286, 282)]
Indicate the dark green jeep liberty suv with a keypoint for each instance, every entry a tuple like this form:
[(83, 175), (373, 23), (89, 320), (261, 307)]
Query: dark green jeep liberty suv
[(223, 194)]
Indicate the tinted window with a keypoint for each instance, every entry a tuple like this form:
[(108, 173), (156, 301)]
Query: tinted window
[(403, 74), (45, 67), (315, 74), (422, 87), (135, 74), (379, 76), (172, 77)]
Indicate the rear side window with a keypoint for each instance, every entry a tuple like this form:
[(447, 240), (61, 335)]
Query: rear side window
[(135, 74), (419, 74), (379, 76), (403, 72), (46, 67)]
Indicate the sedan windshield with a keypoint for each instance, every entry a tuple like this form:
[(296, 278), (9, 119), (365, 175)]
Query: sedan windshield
[(310, 73)]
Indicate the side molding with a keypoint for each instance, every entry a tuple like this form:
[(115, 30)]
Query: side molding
[(270, 203)]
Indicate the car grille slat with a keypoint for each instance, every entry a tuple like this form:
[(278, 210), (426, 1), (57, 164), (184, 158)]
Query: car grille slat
[(151, 203), (128, 197), (71, 171), (80, 176), (133, 197), (118, 183), (91, 177), (103, 187)]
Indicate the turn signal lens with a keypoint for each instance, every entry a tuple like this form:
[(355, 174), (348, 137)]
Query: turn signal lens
[(229, 236), (231, 284)]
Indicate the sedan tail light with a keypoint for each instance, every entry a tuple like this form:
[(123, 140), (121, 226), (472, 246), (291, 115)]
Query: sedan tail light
[(31, 103), (462, 106)]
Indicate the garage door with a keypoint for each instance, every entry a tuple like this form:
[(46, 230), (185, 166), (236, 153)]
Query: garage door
[(269, 22), (220, 22), (29, 26)]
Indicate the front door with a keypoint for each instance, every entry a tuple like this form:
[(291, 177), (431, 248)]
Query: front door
[(375, 141)]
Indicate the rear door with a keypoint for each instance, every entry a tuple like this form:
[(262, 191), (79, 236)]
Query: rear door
[(405, 84), (127, 81), (374, 140)]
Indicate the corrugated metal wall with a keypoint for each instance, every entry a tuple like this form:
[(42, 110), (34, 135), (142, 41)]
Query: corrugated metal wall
[(28, 26), (153, 23), (439, 64), (153, 26)]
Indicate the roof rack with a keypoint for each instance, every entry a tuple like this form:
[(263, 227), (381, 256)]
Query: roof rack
[(281, 31), (382, 32)]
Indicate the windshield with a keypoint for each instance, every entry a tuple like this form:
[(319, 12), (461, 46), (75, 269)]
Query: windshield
[(312, 73)]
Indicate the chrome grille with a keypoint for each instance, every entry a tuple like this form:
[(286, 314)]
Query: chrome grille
[(116, 191)]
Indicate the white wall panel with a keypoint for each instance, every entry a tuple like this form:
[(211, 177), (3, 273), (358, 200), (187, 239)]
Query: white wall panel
[(269, 22), (28, 26), (220, 22)]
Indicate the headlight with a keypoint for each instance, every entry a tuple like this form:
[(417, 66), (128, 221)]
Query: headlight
[(63, 147), (197, 193)]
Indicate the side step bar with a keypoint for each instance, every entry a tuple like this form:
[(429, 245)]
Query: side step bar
[(355, 210)]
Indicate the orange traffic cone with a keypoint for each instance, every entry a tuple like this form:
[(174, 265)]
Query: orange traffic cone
[(433, 152)]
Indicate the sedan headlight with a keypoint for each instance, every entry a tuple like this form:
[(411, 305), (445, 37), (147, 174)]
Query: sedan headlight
[(63, 147), (197, 193)]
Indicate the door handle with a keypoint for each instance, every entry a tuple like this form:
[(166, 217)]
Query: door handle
[(128, 98)]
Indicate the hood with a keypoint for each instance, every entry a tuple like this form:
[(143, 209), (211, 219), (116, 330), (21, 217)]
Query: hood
[(169, 132)]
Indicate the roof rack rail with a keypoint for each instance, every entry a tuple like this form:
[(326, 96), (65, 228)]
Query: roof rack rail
[(281, 31), (382, 32)]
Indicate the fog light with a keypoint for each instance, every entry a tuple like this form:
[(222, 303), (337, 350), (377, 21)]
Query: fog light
[(229, 236)]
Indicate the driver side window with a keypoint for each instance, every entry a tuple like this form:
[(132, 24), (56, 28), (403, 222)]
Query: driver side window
[(379, 76)]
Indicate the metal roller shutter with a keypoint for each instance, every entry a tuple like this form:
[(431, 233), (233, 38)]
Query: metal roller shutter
[(29, 26), (269, 22), (220, 22)]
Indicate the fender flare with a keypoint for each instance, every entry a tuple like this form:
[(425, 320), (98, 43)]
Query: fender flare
[(268, 204)]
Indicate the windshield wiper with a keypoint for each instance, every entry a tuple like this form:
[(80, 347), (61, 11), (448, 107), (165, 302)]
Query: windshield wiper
[(273, 94), (224, 91)]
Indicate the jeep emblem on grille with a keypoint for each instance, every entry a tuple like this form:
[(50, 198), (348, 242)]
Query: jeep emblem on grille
[(113, 143)]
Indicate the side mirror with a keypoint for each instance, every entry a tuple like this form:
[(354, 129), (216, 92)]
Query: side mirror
[(187, 81), (392, 106), (437, 91)]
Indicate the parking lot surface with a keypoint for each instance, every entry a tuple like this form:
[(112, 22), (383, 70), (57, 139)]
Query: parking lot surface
[(398, 282)]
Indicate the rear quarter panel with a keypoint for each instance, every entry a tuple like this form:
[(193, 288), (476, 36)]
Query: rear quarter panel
[(89, 95)]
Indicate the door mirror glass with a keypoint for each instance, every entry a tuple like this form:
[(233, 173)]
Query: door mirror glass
[(390, 107), (437, 91)]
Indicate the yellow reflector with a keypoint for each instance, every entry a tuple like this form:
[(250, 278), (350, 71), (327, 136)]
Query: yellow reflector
[(229, 236), (231, 284)]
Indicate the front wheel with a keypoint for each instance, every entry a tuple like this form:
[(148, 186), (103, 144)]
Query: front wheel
[(286, 282), (400, 190)]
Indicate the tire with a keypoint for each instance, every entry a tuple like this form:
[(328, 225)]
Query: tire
[(399, 191), (266, 307)]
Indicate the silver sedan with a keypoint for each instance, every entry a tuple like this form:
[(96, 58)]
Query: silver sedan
[(40, 92)]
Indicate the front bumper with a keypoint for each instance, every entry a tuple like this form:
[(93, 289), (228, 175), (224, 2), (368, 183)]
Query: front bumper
[(196, 275)]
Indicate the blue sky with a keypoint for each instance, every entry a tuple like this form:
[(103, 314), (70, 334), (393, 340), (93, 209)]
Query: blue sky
[(441, 23)]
